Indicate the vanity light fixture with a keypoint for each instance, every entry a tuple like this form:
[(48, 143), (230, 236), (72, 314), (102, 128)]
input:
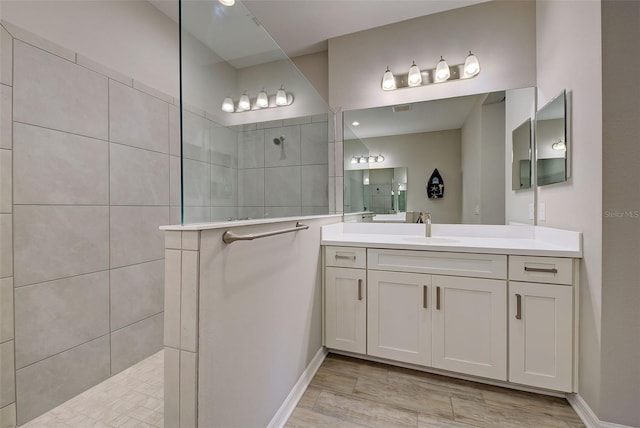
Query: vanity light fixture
[(443, 72), (244, 103), (471, 65), (355, 123), (281, 97), (227, 105), (414, 78), (388, 80), (559, 145), (262, 101), (227, 2)]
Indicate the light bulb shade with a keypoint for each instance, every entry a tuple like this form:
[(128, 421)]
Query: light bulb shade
[(263, 99), (471, 65), (244, 103), (442, 71), (227, 2), (372, 159), (414, 78), (281, 97), (379, 158), (363, 159), (227, 105), (388, 80), (354, 160)]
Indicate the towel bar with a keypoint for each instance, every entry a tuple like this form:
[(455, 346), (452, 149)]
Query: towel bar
[(228, 237)]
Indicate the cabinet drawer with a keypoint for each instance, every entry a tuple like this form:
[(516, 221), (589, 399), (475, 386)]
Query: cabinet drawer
[(551, 270), (352, 257), (458, 264)]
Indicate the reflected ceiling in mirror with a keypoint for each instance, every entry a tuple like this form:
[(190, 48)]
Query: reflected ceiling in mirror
[(468, 139)]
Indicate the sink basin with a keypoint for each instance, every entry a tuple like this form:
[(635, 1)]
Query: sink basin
[(431, 240)]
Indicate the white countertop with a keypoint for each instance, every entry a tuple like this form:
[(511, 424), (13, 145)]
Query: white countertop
[(463, 238)]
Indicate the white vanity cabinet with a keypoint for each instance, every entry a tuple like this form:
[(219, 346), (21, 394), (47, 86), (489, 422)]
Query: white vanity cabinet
[(508, 318), (541, 322), (346, 299), (470, 326), (399, 316)]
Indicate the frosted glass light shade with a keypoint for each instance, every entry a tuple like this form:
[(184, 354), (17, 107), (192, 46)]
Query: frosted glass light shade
[(471, 65), (281, 97), (414, 78), (388, 80), (227, 2), (227, 105), (244, 103), (442, 70), (263, 99)]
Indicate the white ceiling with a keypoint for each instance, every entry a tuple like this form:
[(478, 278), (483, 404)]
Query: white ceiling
[(428, 116), (297, 26)]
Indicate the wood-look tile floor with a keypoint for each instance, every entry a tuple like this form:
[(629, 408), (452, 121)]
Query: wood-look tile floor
[(133, 398), (347, 392)]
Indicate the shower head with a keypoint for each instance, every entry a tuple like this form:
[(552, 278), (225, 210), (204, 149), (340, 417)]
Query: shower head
[(278, 140)]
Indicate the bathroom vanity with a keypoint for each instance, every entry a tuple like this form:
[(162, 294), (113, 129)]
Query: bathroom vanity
[(492, 302)]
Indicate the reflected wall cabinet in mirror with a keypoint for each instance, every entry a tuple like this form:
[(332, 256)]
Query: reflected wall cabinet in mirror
[(551, 142), (521, 166), (468, 139)]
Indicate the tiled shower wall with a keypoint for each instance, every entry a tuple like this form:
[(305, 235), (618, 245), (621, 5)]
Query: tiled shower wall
[(89, 165)]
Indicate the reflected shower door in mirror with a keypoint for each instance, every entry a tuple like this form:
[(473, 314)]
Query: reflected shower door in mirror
[(467, 139), (241, 154), (382, 192), (551, 142)]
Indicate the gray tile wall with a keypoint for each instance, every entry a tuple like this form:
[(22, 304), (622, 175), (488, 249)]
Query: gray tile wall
[(85, 166), (287, 179)]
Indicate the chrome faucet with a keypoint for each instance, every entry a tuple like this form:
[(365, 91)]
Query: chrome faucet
[(427, 226)]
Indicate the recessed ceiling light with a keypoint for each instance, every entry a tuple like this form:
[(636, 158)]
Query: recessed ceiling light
[(355, 123), (227, 2)]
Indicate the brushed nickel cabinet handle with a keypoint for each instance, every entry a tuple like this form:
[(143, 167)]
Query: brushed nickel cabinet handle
[(438, 298), (360, 289), (544, 270), (518, 307), (342, 256), (424, 296)]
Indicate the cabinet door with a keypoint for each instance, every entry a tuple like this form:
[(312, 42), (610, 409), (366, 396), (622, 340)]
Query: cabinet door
[(541, 335), (399, 316), (346, 309), (470, 326)]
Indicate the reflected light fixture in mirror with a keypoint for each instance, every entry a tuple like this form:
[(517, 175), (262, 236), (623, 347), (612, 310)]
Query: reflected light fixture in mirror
[(441, 73), (227, 2), (281, 99), (355, 123)]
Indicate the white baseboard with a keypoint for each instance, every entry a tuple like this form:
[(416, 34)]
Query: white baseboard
[(587, 415), (290, 403), (583, 410)]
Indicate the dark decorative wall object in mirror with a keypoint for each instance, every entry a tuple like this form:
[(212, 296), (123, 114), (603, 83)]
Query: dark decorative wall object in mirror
[(521, 164)]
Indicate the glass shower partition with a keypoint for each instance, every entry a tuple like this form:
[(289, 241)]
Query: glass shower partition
[(255, 135)]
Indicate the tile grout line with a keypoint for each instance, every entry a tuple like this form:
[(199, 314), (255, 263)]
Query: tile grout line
[(109, 225), (13, 259)]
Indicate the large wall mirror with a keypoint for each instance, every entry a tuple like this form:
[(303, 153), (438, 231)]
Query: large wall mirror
[(551, 142), (469, 140)]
